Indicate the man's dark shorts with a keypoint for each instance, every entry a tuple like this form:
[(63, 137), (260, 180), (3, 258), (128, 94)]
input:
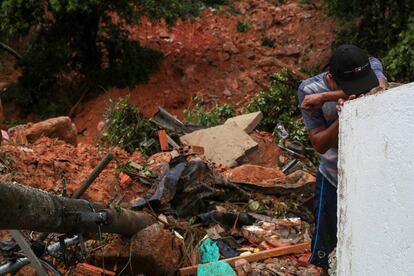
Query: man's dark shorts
[(325, 206)]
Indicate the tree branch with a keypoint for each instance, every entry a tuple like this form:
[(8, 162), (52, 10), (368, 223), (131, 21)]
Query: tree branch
[(10, 50)]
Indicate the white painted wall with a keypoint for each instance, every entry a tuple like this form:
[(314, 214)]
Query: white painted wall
[(376, 185)]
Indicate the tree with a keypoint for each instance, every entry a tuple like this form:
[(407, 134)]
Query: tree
[(83, 42), (27, 208), (373, 25)]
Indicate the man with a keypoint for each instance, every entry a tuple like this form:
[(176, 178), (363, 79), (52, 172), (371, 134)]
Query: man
[(351, 73)]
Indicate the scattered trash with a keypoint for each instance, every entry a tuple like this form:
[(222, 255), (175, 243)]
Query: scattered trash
[(189, 187), (281, 131), (5, 135), (227, 251), (242, 267), (209, 251), (215, 231), (164, 119), (226, 219)]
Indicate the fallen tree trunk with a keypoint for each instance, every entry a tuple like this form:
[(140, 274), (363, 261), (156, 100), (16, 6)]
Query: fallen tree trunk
[(27, 208)]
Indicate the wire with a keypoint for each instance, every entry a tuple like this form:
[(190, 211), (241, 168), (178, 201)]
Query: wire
[(100, 237)]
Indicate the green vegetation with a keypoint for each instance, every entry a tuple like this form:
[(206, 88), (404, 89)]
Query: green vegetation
[(78, 46), (305, 3), (233, 10), (380, 27), (128, 169), (268, 41), (197, 115), (399, 61), (243, 26), (126, 127), (279, 104)]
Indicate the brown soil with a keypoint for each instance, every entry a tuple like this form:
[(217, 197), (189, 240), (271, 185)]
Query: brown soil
[(43, 164), (209, 57)]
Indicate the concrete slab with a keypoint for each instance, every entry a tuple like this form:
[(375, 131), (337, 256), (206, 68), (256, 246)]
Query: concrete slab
[(224, 144), (248, 122)]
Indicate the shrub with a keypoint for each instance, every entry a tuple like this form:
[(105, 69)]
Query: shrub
[(279, 104), (376, 24), (73, 42), (197, 115), (242, 26), (399, 61), (268, 41), (126, 127), (233, 10)]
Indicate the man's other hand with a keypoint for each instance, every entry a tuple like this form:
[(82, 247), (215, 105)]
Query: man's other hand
[(341, 102), (312, 102)]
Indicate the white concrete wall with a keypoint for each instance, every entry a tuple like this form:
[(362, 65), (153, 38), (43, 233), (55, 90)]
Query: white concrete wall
[(376, 185)]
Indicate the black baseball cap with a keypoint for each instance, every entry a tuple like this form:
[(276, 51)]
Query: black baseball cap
[(351, 70)]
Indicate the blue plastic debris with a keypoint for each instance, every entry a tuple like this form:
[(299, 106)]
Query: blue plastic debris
[(215, 269), (209, 251)]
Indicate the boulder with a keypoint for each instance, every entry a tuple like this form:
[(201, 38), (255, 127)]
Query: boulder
[(61, 128)]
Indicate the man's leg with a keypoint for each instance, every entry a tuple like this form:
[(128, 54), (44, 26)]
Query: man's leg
[(325, 206)]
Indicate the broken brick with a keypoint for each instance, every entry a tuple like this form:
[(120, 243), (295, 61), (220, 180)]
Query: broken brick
[(162, 136), (124, 180)]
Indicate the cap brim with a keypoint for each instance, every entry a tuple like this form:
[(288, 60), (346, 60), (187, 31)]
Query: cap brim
[(359, 86)]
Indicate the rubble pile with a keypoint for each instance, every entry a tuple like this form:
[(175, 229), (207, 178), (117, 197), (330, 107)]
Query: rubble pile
[(248, 215)]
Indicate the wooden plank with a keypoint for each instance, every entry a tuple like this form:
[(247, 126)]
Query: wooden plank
[(91, 270), (275, 252)]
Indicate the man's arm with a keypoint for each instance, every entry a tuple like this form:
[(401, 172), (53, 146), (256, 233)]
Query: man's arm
[(323, 138), (314, 101)]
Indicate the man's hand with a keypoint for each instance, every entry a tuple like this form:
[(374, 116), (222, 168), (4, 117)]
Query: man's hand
[(312, 102), (341, 102)]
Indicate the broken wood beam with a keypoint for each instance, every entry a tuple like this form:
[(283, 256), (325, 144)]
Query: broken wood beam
[(275, 252), (88, 269)]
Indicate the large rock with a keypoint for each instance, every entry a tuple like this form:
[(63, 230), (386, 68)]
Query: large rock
[(156, 251), (152, 251), (224, 144), (247, 122), (59, 127)]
